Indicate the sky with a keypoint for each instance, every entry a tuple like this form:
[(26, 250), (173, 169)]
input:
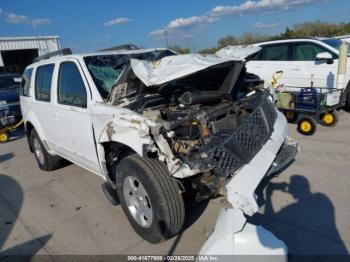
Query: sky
[(92, 25)]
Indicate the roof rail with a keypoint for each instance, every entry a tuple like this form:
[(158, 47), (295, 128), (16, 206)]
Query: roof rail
[(121, 47), (61, 52)]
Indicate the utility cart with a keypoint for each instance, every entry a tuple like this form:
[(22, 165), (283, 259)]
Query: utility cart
[(8, 123), (10, 110), (308, 106)]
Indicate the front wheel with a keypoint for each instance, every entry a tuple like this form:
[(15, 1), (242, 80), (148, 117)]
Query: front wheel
[(307, 126), (150, 198)]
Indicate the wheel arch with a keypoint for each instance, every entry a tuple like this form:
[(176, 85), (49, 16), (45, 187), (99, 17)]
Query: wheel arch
[(31, 122), (110, 153)]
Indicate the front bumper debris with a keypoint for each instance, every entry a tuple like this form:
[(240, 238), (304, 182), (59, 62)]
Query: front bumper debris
[(232, 234), (285, 156)]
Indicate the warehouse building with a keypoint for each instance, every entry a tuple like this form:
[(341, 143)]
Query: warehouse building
[(18, 52)]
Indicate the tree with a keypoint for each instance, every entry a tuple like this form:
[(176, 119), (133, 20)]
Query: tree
[(227, 40), (211, 50)]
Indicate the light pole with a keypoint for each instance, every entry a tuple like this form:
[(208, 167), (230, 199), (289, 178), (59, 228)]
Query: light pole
[(166, 38)]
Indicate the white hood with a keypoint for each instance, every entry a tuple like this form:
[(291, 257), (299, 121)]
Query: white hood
[(173, 67)]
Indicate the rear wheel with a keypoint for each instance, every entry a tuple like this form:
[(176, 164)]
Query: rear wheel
[(45, 161), (291, 116), (150, 198), (329, 119), (307, 126), (4, 136)]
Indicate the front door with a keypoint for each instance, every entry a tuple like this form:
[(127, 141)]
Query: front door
[(74, 130), (307, 68)]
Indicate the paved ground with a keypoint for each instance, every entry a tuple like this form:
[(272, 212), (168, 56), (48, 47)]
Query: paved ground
[(65, 212)]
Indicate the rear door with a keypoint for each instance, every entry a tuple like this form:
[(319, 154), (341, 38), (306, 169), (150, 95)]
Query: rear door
[(74, 131), (42, 107), (273, 58)]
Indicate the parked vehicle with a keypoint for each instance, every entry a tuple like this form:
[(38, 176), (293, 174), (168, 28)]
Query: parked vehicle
[(154, 124), (344, 38), (10, 112), (300, 60)]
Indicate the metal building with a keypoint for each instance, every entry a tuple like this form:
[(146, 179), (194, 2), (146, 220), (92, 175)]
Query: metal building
[(18, 52)]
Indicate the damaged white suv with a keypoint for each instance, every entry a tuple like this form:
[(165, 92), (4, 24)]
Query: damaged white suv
[(153, 124)]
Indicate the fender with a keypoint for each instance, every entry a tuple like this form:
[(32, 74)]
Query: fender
[(133, 134), (117, 124)]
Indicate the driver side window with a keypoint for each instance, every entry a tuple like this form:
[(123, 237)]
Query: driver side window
[(71, 87)]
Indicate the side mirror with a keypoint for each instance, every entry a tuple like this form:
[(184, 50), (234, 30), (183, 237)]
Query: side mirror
[(325, 56)]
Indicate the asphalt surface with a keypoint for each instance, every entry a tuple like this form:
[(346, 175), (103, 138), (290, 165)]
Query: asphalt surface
[(65, 212)]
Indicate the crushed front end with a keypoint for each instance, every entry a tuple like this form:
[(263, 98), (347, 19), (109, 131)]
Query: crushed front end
[(210, 130)]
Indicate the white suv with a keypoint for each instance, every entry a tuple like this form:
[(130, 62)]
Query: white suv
[(154, 124), (302, 61)]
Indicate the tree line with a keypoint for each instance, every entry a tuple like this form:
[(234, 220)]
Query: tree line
[(309, 29)]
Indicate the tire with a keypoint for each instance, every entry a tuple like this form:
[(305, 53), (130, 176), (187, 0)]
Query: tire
[(145, 185), (329, 119), (307, 126), (291, 116), (4, 136), (45, 161), (348, 99)]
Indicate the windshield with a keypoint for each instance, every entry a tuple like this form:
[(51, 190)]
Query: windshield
[(335, 43), (11, 81), (106, 69)]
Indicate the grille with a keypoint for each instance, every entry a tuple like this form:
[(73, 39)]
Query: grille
[(270, 112), (241, 146), (252, 133), (225, 161)]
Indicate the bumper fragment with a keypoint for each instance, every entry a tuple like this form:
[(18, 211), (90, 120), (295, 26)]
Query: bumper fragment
[(232, 234), (285, 156)]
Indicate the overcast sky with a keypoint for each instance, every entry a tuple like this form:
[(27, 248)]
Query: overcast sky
[(88, 25)]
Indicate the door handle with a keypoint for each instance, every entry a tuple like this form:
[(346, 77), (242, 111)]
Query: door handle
[(296, 68)]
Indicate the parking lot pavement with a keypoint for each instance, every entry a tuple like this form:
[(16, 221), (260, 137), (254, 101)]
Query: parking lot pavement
[(65, 212)]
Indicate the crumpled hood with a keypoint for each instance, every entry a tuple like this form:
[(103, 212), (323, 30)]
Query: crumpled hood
[(193, 72), (173, 67)]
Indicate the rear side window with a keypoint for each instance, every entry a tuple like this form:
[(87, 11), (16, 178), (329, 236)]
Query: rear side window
[(307, 51), (43, 79), (25, 85), (276, 52), (71, 88)]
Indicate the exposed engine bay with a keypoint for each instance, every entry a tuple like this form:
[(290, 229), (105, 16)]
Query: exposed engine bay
[(212, 121)]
